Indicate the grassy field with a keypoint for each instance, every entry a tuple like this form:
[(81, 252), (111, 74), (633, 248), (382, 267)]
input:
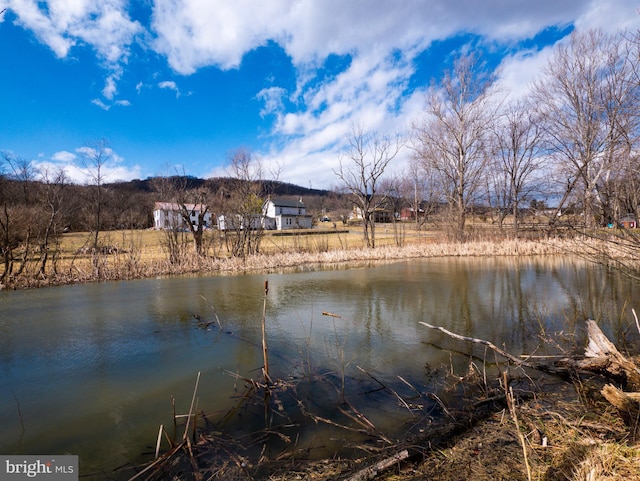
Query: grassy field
[(130, 254), (321, 238)]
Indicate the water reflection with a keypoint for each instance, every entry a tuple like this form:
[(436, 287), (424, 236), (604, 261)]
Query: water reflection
[(90, 369)]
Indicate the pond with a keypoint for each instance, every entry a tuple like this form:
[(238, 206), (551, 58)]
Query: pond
[(91, 369)]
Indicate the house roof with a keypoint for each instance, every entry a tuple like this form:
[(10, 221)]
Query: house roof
[(287, 203), (176, 206)]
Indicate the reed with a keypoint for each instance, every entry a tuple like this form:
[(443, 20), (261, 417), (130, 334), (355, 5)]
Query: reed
[(140, 254), (265, 351), (143, 256)]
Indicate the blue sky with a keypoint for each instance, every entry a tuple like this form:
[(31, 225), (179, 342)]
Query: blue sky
[(179, 84)]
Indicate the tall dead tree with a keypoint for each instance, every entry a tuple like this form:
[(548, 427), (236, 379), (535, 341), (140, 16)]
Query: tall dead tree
[(52, 201), (587, 102), (242, 201), (367, 158), (95, 158), (452, 139), (517, 158)]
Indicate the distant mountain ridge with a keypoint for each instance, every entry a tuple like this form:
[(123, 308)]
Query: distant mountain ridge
[(273, 187)]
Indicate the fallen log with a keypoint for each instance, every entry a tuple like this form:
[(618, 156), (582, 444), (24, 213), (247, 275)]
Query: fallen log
[(371, 472), (601, 355), (627, 404)]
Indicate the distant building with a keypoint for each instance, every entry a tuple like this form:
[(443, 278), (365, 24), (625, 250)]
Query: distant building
[(237, 222), (409, 213), (378, 215), (628, 221), (168, 215), (285, 214)]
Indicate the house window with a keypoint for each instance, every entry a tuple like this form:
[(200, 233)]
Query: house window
[(281, 210)]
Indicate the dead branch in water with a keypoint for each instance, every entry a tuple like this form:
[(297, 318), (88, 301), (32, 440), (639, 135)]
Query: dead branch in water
[(490, 345), (265, 351), (600, 356)]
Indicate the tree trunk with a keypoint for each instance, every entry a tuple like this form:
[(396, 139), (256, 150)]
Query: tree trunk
[(602, 355)]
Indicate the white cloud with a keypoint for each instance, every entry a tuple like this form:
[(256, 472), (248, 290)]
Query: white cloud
[(64, 156), (110, 88), (61, 24), (519, 71), (107, 106), (272, 99), (170, 85), (79, 171), (610, 16), (372, 91), (195, 33), (100, 104)]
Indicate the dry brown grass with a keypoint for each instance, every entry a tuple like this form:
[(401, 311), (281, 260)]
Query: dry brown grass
[(142, 253), (583, 443), (565, 439)]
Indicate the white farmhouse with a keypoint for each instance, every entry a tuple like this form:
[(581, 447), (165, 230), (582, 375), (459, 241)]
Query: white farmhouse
[(167, 215), (237, 222), (286, 214)]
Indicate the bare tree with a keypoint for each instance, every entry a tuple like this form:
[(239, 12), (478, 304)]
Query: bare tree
[(194, 209), (368, 157), (7, 242), (242, 203), (24, 172), (517, 158), (187, 208), (174, 239), (95, 158), (452, 139), (421, 190), (394, 190), (17, 214), (585, 97), (52, 201)]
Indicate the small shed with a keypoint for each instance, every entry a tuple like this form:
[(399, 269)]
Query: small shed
[(628, 221)]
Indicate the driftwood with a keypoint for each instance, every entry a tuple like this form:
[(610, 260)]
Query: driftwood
[(627, 404), (601, 355), (371, 472), (502, 352)]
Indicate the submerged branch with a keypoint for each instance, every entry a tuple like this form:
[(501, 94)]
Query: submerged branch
[(502, 352)]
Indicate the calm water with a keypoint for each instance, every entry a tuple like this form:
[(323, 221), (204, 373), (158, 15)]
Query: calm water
[(90, 369)]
